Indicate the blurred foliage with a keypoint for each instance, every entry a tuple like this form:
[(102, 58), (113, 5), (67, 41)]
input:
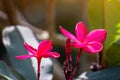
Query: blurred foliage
[(96, 14), (113, 55), (105, 14)]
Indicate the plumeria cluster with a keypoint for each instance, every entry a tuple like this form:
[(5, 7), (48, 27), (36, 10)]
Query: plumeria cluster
[(90, 42), (83, 40)]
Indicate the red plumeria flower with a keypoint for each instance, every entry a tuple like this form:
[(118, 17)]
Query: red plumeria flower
[(44, 50), (90, 42)]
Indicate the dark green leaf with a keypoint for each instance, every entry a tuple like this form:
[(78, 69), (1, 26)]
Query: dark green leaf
[(14, 45), (5, 72), (106, 74), (113, 55), (13, 39)]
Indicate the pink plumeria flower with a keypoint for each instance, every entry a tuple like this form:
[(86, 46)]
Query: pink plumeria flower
[(91, 42), (44, 50)]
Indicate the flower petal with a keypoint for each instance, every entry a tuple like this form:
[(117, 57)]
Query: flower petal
[(77, 44), (93, 47), (81, 31), (30, 48), (97, 35), (42, 43), (24, 56), (68, 34), (52, 55), (44, 47)]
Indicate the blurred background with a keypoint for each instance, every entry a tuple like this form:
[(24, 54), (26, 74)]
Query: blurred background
[(48, 15)]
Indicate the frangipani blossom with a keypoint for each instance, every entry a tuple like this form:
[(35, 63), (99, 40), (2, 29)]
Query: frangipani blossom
[(43, 50), (89, 41)]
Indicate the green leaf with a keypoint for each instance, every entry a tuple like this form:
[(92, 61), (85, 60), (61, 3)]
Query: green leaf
[(105, 14), (96, 14), (106, 74), (5, 72), (112, 56)]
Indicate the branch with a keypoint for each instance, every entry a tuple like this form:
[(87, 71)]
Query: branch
[(10, 10)]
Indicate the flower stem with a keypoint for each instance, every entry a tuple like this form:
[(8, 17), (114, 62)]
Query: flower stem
[(38, 71), (67, 66), (77, 62), (100, 63)]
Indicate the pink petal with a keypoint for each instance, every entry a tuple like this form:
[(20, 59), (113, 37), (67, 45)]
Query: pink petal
[(24, 56), (52, 55), (30, 48), (97, 35), (77, 44), (93, 47), (42, 43), (81, 31), (47, 47), (68, 34)]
